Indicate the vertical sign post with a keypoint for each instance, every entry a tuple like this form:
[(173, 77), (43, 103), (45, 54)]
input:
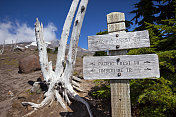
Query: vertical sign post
[(120, 67), (120, 90)]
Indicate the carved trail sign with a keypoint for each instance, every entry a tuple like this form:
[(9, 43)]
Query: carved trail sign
[(121, 67), (122, 40)]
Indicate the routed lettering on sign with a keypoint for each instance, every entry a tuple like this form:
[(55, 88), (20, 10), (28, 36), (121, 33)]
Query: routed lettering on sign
[(121, 67), (122, 40)]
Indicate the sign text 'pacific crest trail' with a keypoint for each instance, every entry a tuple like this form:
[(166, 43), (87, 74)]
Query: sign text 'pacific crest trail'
[(121, 67)]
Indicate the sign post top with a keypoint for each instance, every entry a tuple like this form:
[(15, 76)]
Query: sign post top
[(116, 22), (115, 17)]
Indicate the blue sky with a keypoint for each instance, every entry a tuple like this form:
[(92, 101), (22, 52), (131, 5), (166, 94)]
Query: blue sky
[(17, 17)]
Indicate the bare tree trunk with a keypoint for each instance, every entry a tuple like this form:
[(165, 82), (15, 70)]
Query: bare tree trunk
[(59, 81), (14, 45), (2, 50)]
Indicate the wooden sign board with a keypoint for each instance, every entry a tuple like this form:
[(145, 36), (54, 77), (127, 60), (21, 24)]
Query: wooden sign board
[(121, 67), (122, 40)]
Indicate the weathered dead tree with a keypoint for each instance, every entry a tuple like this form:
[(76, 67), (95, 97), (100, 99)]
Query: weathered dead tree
[(2, 50), (59, 81), (14, 45)]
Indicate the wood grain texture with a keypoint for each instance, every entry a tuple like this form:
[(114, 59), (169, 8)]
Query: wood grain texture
[(76, 31), (119, 41), (120, 89), (64, 37), (121, 67), (116, 22), (120, 98)]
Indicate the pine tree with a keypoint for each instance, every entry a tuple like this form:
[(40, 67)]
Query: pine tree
[(145, 9), (157, 98), (152, 11)]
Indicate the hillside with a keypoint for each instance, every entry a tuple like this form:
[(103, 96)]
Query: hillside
[(14, 88)]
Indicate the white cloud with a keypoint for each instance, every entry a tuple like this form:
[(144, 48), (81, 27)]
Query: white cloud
[(49, 32), (23, 33)]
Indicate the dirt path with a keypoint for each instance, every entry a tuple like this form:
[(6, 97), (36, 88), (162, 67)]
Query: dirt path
[(14, 89), (12, 84)]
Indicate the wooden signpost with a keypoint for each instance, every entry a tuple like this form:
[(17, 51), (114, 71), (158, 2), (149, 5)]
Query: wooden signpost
[(120, 67)]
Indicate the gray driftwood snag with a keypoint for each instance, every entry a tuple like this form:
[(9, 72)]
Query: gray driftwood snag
[(122, 40), (121, 67), (59, 82)]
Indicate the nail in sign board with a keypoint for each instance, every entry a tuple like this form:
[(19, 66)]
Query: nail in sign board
[(122, 40), (121, 67)]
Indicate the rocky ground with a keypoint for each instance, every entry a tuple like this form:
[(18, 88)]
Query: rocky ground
[(14, 89)]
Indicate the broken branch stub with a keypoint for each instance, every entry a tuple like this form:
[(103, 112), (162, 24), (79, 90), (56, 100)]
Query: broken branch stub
[(59, 82)]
